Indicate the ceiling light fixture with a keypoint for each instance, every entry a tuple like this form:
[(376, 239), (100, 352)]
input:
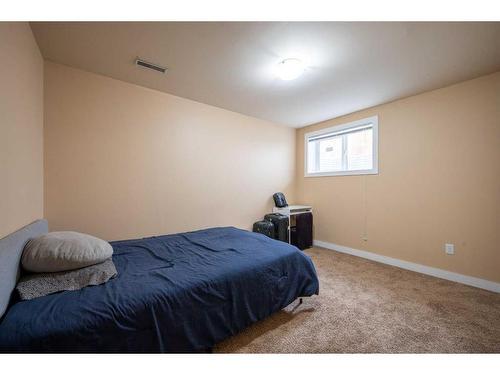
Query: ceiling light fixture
[(289, 69)]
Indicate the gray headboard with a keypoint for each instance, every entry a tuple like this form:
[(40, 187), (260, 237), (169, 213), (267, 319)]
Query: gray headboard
[(11, 249)]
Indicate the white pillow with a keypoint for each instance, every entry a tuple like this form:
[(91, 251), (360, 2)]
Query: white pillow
[(63, 251)]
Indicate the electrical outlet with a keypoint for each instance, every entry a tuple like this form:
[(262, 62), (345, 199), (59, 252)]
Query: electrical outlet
[(449, 248)]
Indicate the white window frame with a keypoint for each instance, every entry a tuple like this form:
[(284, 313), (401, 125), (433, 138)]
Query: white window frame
[(351, 125)]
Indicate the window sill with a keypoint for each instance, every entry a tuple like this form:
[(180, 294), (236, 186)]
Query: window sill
[(342, 173)]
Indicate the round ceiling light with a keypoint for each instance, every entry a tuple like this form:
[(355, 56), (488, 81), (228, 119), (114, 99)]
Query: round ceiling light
[(289, 69)]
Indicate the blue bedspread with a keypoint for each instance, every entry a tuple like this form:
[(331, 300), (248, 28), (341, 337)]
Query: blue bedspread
[(175, 293)]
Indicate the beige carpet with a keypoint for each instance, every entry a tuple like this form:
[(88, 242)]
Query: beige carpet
[(368, 307)]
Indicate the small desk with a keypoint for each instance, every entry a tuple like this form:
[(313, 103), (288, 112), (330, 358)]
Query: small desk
[(291, 211)]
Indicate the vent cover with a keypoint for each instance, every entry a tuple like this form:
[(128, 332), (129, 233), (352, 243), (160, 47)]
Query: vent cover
[(149, 65)]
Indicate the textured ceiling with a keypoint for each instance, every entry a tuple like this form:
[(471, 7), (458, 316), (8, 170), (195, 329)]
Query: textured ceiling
[(351, 65)]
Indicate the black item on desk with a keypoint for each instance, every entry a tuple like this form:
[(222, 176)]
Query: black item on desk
[(280, 223), (279, 200), (301, 234), (264, 227)]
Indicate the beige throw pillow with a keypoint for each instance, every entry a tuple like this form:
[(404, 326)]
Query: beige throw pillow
[(63, 251)]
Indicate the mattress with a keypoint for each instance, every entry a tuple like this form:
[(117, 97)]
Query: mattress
[(174, 293)]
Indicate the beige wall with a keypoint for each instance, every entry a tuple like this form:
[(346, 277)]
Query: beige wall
[(123, 161), (438, 182), (21, 127)]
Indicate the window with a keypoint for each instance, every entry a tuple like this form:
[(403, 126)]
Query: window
[(347, 149)]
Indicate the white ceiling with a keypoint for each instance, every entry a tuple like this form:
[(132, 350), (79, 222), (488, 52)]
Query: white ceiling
[(351, 65)]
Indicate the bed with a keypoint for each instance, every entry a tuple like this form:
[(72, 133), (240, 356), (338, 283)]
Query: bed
[(174, 293)]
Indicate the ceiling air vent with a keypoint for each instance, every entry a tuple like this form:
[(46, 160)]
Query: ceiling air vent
[(149, 65)]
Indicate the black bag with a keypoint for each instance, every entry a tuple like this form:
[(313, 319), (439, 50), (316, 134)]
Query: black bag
[(280, 223), (264, 227), (279, 200)]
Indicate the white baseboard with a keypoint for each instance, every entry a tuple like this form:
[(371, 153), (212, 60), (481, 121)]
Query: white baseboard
[(436, 272)]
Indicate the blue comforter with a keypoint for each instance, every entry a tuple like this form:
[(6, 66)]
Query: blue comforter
[(175, 293)]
